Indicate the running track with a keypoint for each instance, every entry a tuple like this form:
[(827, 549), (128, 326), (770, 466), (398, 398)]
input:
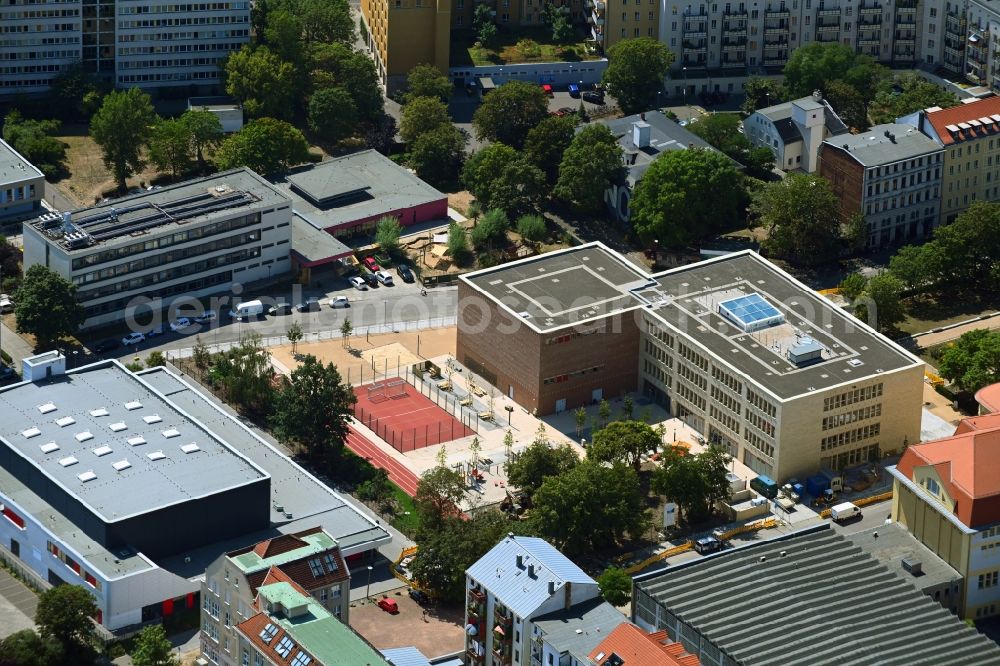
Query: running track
[(398, 474)]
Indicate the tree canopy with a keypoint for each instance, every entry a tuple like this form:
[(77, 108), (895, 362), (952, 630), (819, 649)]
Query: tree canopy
[(122, 127), (686, 195), (152, 648), (905, 93), (338, 65), (387, 233), (313, 407), (721, 130), (500, 177), (972, 361), (170, 147), (205, 131), (537, 462), (590, 165), (45, 306), (421, 115), (694, 482), (36, 141), (509, 112), (266, 145), (880, 303), (625, 442), (799, 215), (428, 81), (262, 81), (811, 67), (439, 492), (635, 73), (547, 142), (245, 375), (437, 155), (759, 93), (27, 648), (332, 114), (615, 586), (64, 613)]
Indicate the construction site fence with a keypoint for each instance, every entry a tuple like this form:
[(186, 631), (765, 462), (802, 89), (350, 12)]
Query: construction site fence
[(757, 525), (864, 501)]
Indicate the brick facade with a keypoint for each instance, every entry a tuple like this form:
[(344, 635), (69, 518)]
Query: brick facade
[(846, 178)]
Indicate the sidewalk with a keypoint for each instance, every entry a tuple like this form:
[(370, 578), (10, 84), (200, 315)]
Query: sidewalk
[(17, 605), (14, 344)]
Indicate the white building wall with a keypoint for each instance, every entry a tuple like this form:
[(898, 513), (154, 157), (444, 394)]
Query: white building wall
[(983, 579), (37, 41)]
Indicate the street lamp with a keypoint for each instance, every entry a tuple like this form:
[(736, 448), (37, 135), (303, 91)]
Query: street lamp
[(685, 71), (510, 410), (369, 588)]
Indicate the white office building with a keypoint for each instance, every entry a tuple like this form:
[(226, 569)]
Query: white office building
[(22, 185)]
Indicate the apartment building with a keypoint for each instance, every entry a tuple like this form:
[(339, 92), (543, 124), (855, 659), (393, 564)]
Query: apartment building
[(22, 185), (310, 561), (946, 494), (401, 34), (892, 175), (131, 43), (794, 131), (970, 135), (141, 254), (748, 356)]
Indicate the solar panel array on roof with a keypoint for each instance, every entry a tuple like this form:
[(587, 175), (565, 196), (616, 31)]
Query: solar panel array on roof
[(751, 312)]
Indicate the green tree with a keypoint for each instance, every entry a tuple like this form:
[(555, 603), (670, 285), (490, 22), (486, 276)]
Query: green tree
[(686, 195), (852, 285), (294, 334), (604, 412), (337, 64), (377, 488), (387, 233), (345, 331), (122, 127), (917, 266), (532, 228), (245, 375), (428, 81), (547, 141), (580, 418), (200, 354), (152, 648), (262, 81), (537, 462), (590, 165), (848, 103), (695, 483), (421, 115), (64, 614), (45, 306), (721, 130), (881, 303), (325, 21), (491, 230), (35, 140), (562, 29), (332, 114), (283, 36), (205, 130), (972, 361), (27, 648), (155, 359), (266, 145), (508, 113), (437, 155), (439, 492), (906, 93), (458, 243), (965, 252), (625, 442), (635, 73), (589, 507), (76, 92), (170, 147), (813, 66), (759, 93), (313, 408), (482, 22), (499, 177), (798, 214), (616, 586)]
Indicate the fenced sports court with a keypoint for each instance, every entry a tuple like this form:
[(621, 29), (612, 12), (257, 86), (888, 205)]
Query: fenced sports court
[(400, 414)]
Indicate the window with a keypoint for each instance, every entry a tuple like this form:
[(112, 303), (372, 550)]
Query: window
[(284, 646), (246, 658), (301, 659), (268, 633), (316, 567), (932, 486)]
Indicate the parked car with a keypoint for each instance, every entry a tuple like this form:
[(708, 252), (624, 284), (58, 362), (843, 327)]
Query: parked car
[(574, 90), (340, 302), (593, 96), (389, 606), (159, 329), (281, 308), (370, 263), (706, 545), (106, 346), (418, 596), (358, 283), (371, 279), (845, 511), (6, 305), (179, 324), (385, 277), (6, 373), (311, 304), (133, 339), (547, 89), (404, 272), (206, 316)]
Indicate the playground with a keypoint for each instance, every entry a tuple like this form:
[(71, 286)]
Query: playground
[(404, 418)]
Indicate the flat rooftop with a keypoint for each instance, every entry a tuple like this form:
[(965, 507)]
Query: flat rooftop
[(116, 443), (687, 299), (812, 597), (664, 135), (892, 543), (355, 187), (885, 144), (563, 288), (124, 221), (14, 168), (580, 628)]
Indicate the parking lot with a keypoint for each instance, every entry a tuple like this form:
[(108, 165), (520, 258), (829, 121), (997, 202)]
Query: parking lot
[(436, 632)]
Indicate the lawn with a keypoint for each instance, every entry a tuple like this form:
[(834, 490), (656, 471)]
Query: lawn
[(926, 312), (518, 46), (406, 520)]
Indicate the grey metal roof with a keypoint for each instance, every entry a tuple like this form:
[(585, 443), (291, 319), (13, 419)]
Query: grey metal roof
[(581, 628), (811, 597), (665, 135), (885, 144), (109, 421), (313, 243), (781, 116), (354, 187), (405, 656), (498, 572), (13, 167), (890, 544)]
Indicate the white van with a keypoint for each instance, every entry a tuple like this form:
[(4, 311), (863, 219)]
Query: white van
[(845, 511), (247, 310)]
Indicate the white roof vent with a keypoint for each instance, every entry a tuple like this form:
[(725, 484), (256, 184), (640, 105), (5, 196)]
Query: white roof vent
[(190, 448), (87, 476), (31, 432), (121, 465), (65, 421), (156, 455), (171, 433), (134, 404), (100, 411), (68, 461), (118, 427), (49, 448), (102, 451), (46, 408), (150, 419), (84, 436), (855, 362), (136, 441)]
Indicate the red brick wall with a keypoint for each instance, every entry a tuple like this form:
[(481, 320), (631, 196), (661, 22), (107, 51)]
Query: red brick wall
[(846, 178)]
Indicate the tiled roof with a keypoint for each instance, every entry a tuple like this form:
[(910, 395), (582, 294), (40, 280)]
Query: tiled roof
[(297, 556), (963, 113), (968, 463), (989, 397), (278, 546), (637, 648)]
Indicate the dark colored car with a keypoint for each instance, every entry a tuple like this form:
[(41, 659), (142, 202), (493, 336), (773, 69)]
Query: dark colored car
[(418, 596), (370, 279), (593, 96), (707, 545), (574, 90), (106, 346), (404, 273), (280, 309), (309, 305), (7, 373)]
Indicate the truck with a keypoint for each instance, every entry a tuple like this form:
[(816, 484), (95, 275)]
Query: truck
[(845, 511), (764, 486), (247, 310)]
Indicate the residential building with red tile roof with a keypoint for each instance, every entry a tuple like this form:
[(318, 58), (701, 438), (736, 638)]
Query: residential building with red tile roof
[(988, 398), (947, 493), (628, 645), (309, 561)]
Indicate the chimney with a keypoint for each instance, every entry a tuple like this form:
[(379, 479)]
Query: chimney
[(567, 595), (552, 587), (640, 134), (520, 561), (817, 95), (642, 116), (531, 571)]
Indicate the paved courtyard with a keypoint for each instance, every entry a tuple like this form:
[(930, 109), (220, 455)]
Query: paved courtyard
[(17, 605), (438, 633)]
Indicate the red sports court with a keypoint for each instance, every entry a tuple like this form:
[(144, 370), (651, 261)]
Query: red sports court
[(399, 414)]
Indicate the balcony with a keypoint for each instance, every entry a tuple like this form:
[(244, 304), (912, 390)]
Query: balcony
[(597, 33), (828, 37), (872, 10), (873, 21), (732, 64), (501, 658), (474, 656), (776, 32), (823, 29), (774, 62), (829, 12), (734, 32), (690, 47), (692, 15), (908, 23), (954, 53), (777, 14), (868, 41), (594, 19), (477, 597), (695, 34), (736, 12)]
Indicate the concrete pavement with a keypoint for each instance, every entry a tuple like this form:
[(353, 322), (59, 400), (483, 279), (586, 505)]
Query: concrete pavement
[(17, 605), (14, 344)]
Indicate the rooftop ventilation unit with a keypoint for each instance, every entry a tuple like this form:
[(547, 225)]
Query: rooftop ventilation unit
[(78, 239), (46, 408), (136, 441), (99, 412), (65, 421), (121, 465), (68, 461), (49, 448), (805, 352), (913, 565), (156, 455)]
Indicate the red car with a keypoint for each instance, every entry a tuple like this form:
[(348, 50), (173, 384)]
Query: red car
[(389, 606), (547, 89), (371, 264)]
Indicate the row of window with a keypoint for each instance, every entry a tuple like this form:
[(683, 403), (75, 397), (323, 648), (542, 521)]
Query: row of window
[(861, 414), (179, 36), (39, 41), (689, 394), (657, 373), (573, 335), (727, 379), (726, 400), (168, 9), (559, 379), (850, 436), (725, 418), (692, 356), (760, 422), (758, 443), (659, 334), (761, 403), (659, 353), (175, 77), (851, 397), (174, 48), (171, 22), (988, 580), (120, 304), (169, 62), (692, 376), (59, 554), (38, 55), (40, 14)]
